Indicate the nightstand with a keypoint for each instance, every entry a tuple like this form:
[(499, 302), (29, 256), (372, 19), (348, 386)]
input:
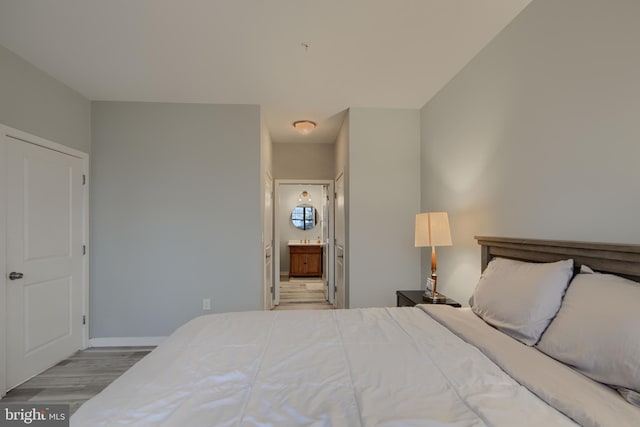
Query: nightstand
[(411, 298)]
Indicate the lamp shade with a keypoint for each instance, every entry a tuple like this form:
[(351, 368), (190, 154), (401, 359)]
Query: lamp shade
[(432, 229)]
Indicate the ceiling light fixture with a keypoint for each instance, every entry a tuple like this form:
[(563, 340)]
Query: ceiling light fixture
[(304, 126)]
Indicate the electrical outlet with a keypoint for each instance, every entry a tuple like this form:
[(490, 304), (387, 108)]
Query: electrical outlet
[(206, 303)]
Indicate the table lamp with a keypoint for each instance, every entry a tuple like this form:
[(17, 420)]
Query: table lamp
[(432, 229)]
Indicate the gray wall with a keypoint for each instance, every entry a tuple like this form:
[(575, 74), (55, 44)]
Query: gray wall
[(341, 151), (384, 197), (266, 149), (303, 161), (34, 102), (538, 136), (176, 214)]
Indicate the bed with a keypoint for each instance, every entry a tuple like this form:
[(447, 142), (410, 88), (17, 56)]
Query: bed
[(427, 365)]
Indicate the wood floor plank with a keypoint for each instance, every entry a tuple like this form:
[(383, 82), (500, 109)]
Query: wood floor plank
[(78, 378), (302, 294)]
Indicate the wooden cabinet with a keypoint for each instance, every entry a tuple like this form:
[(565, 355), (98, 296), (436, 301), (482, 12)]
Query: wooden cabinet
[(305, 261)]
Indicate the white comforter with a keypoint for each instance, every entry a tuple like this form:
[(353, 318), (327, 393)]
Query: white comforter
[(368, 367)]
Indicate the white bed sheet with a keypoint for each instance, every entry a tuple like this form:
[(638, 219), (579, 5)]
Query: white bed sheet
[(359, 367)]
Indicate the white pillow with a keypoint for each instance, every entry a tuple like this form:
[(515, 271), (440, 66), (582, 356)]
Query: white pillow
[(521, 298), (597, 330)]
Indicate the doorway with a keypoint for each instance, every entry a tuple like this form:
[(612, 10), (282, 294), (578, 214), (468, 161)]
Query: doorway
[(303, 238)]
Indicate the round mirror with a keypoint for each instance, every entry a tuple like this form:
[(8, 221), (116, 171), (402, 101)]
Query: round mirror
[(304, 217)]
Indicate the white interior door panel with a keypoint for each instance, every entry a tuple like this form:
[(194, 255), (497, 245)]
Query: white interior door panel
[(44, 258)]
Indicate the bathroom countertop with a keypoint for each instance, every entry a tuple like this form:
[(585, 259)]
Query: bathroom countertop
[(309, 242)]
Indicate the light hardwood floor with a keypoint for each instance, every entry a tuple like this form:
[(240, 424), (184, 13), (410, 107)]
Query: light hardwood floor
[(302, 294), (78, 378)]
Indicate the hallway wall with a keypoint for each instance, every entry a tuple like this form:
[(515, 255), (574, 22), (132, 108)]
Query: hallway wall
[(303, 161)]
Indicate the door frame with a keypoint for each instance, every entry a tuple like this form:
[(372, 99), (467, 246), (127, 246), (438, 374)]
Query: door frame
[(276, 232), (345, 284), (267, 248), (8, 132)]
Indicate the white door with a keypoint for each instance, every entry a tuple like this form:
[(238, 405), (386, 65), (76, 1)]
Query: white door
[(268, 243), (44, 258), (340, 237)]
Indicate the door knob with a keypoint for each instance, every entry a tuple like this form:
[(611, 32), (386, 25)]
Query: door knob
[(14, 276)]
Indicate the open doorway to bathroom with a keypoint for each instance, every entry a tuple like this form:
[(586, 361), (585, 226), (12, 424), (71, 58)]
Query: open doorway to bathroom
[(303, 249)]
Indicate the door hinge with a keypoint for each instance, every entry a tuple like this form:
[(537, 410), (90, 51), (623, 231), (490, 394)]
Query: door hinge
[(84, 249), (84, 179), (84, 319), (335, 196)]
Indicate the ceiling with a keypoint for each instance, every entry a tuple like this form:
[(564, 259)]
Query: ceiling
[(361, 53)]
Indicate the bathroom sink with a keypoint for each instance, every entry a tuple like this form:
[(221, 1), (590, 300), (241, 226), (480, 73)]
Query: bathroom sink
[(308, 242)]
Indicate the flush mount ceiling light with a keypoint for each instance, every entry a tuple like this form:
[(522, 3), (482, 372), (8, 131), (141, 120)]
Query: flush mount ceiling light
[(304, 126)]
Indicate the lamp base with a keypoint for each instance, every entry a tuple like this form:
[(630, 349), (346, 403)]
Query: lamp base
[(437, 299)]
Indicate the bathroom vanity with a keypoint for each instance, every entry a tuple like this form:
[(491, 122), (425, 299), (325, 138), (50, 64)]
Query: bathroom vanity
[(305, 259)]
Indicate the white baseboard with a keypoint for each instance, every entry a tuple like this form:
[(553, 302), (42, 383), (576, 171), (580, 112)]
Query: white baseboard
[(125, 341)]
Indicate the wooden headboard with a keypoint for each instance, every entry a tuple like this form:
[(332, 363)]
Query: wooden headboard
[(620, 259)]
